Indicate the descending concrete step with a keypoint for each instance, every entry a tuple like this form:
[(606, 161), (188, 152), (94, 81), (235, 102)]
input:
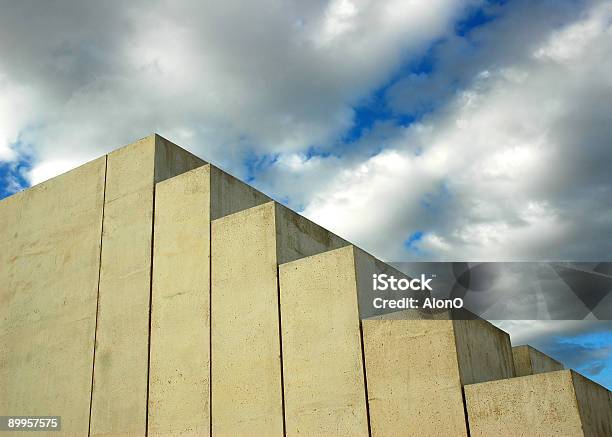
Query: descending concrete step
[(247, 248), (416, 369), (530, 361), (180, 324), (324, 381), (554, 403)]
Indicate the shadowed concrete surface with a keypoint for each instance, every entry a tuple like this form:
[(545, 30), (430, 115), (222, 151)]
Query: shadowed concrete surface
[(529, 361)]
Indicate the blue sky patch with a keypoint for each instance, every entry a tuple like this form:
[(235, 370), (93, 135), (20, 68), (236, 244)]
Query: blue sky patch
[(589, 353), (413, 239), (477, 17), (255, 164), (12, 176)]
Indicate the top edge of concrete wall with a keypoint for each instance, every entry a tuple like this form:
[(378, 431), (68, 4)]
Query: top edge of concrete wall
[(160, 143), (164, 153), (45, 183)]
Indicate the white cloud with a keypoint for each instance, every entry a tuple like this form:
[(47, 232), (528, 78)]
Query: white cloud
[(48, 169), (569, 44), (339, 18), (15, 103), (507, 163), (515, 167), (221, 78)]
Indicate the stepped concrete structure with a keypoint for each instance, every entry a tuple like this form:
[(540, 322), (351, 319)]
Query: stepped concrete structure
[(416, 370), (149, 293)]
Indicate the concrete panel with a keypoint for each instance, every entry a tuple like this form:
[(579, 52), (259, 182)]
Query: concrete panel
[(180, 331), (553, 403), (530, 361), (246, 370), (122, 340), (413, 378), (49, 265), (324, 384), (415, 370)]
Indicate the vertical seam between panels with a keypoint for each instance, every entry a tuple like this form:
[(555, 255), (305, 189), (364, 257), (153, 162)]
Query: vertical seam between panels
[(93, 364)]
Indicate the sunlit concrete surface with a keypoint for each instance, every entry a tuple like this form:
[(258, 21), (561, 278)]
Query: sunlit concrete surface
[(416, 369), (49, 265), (246, 366), (179, 383), (324, 380), (119, 401), (546, 404)]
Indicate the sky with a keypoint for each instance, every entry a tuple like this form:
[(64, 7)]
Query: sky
[(439, 130)]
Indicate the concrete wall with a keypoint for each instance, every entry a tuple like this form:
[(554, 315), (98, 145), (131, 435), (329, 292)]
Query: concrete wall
[(246, 369), (530, 361), (553, 403), (49, 265), (180, 323), (119, 401), (324, 381)]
